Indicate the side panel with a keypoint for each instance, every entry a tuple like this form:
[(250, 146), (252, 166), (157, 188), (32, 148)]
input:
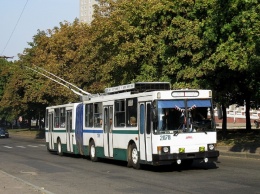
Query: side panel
[(108, 128), (51, 135), (145, 132), (148, 133), (69, 133), (142, 131), (79, 128)]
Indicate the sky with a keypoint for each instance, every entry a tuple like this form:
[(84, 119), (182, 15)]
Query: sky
[(21, 19)]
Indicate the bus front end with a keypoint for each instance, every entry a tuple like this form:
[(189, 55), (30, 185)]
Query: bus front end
[(184, 128)]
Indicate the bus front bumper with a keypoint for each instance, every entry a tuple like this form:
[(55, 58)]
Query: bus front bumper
[(161, 159)]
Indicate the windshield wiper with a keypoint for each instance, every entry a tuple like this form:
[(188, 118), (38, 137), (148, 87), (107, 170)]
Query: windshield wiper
[(176, 133)]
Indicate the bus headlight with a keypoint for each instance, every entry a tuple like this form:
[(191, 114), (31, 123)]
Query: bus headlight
[(163, 149), (211, 147)]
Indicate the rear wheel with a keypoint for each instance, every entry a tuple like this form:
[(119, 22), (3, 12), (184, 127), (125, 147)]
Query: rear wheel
[(59, 150), (135, 161), (92, 150)]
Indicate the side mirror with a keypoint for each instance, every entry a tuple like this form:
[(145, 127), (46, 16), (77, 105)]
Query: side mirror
[(219, 111), (154, 115)]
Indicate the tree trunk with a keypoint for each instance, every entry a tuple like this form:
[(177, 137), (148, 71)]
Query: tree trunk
[(224, 121), (30, 123), (248, 122)]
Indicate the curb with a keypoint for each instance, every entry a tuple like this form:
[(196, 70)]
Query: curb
[(230, 151)]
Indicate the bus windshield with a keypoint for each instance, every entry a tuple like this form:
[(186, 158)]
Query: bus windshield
[(192, 115)]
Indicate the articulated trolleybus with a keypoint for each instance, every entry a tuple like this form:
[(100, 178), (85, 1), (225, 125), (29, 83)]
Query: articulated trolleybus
[(140, 123)]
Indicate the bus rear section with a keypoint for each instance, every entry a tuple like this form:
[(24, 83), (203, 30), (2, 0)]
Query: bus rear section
[(60, 124)]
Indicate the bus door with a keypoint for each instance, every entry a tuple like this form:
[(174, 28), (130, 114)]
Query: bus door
[(145, 131), (51, 142), (108, 129), (69, 133)]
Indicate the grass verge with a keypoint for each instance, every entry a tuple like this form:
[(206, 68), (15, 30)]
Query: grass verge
[(240, 137), (32, 133)]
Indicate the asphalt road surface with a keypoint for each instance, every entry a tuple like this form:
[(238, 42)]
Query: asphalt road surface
[(30, 162)]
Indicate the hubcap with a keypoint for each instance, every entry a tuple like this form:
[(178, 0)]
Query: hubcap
[(93, 151), (135, 156), (59, 147)]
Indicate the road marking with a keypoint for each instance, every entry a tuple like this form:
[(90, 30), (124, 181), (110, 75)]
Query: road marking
[(31, 173), (20, 146), (33, 146), (8, 147)]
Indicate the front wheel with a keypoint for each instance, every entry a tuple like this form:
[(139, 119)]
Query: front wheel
[(59, 151), (134, 157), (92, 151)]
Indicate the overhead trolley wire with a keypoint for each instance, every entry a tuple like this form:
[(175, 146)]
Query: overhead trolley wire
[(15, 27)]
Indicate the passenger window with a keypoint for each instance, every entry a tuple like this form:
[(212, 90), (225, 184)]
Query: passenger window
[(98, 114), (89, 115), (62, 117), (131, 112), (56, 117), (120, 113)]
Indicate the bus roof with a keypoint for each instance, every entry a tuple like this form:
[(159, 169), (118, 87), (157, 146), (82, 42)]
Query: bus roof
[(139, 87)]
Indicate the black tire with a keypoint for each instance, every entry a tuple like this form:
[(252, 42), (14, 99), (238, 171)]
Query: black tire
[(134, 157), (92, 152), (59, 148), (129, 160)]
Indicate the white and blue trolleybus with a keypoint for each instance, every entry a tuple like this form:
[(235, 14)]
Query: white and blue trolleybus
[(140, 123)]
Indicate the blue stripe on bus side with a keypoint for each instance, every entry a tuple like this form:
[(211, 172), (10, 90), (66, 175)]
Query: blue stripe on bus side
[(99, 131), (57, 131), (92, 131)]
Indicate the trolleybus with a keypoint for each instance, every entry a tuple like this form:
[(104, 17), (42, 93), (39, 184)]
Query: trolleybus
[(140, 123)]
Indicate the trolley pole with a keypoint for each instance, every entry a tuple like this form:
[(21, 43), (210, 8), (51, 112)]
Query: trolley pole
[(5, 57)]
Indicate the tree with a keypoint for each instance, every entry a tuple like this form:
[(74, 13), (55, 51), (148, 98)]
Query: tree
[(5, 74), (159, 41), (232, 34), (59, 52)]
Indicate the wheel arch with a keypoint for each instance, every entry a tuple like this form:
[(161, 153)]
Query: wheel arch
[(58, 139)]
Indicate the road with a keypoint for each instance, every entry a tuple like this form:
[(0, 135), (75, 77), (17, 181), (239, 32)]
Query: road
[(30, 162)]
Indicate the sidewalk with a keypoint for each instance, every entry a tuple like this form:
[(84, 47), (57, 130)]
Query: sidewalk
[(232, 151), (236, 151), (11, 184)]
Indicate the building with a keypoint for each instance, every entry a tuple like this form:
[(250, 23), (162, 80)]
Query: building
[(87, 10), (237, 114)]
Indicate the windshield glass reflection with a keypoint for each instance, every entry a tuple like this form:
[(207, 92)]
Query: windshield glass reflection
[(185, 116)]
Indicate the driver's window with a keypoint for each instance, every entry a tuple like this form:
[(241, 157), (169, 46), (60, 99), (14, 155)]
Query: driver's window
[(171, 119)]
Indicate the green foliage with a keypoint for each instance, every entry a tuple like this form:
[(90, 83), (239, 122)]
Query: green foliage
[(192, 44), (4, 75)]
